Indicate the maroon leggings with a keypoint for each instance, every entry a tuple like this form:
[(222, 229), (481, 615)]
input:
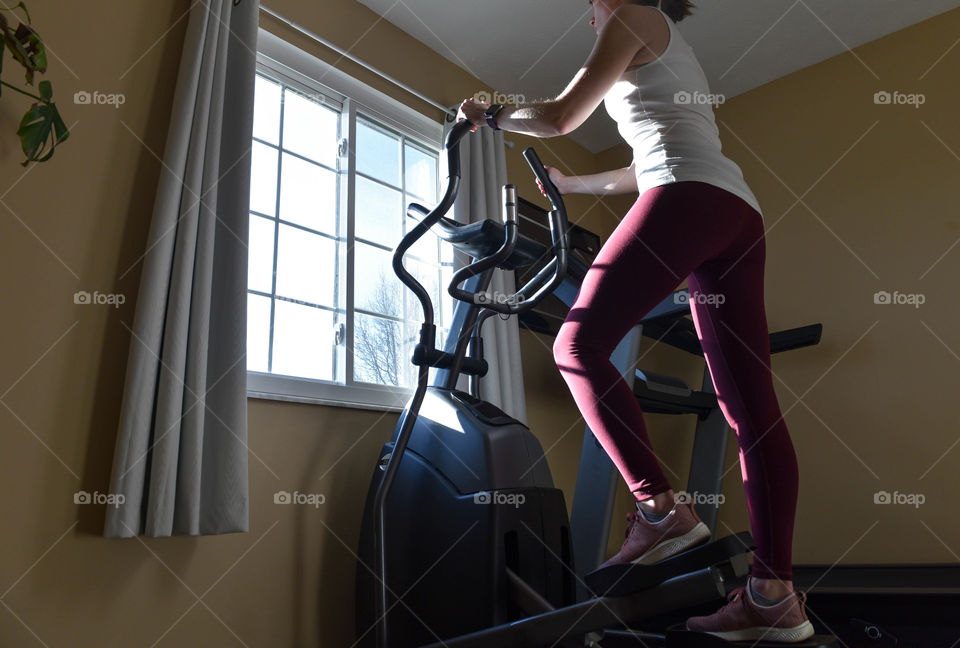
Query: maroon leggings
[(716, 240)]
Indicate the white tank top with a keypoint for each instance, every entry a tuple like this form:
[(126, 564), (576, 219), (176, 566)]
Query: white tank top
[(662, 112)]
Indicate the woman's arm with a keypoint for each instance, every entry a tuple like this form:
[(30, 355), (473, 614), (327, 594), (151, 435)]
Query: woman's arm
[(627, 30), (608, 183)]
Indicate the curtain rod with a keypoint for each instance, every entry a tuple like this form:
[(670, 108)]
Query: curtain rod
[(342, 52)]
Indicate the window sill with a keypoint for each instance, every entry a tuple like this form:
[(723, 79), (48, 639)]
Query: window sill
[(316, 392)]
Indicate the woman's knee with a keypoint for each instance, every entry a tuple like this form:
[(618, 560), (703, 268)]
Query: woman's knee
[(573, 350), (564, 345)]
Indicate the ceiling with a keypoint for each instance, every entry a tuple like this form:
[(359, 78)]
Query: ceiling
[(535, 47)]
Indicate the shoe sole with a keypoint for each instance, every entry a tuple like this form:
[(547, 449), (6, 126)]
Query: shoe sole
[(673, 546), (784, 635)]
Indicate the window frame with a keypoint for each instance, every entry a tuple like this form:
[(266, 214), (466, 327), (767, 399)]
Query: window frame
[(286, 64)]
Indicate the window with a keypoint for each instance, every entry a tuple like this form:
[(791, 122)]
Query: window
[(333, 167)]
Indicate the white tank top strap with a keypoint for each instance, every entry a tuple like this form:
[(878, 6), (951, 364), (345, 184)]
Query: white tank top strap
[(671, 27)]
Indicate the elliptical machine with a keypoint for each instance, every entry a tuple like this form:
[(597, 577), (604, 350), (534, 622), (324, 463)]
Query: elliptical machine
[(470, 472), (465, 541)]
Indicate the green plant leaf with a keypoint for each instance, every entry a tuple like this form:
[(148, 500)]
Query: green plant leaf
[(61, 133), (25, 47), (16, 49), (40, 126), (35, 59)]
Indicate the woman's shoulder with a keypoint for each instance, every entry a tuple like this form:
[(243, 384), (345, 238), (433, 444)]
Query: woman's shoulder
[(637, 13), (643, 21), (647, 25)]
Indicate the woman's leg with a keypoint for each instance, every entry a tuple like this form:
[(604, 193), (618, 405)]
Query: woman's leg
[(728, 310), (669, 231)]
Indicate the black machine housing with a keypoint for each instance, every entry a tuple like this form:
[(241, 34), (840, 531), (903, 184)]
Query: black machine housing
[(471, 505)]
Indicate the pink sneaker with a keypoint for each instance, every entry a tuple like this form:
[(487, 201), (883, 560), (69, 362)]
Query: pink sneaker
[(743, 619), (650, 542)]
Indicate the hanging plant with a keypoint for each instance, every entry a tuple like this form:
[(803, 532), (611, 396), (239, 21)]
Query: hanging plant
[(41, 127)]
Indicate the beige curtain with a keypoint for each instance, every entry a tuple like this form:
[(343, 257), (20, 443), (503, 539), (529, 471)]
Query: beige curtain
[(181, 452)]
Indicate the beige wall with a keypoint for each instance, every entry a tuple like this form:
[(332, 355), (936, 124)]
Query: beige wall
[(80, 221), (878, 213)]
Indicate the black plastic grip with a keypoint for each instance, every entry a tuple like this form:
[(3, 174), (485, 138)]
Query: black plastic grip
[(452, 146), (538, 170)]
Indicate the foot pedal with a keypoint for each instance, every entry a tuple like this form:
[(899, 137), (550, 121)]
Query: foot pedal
[(627, 578), (631, 639), (679, 637)]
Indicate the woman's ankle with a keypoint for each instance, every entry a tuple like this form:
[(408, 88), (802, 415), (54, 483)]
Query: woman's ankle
[(660, 503), (772, 588)]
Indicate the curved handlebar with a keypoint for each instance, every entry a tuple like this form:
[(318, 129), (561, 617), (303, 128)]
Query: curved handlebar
[(510, 235), (452, 146), (538, 170), (551, 275), (542, 284)]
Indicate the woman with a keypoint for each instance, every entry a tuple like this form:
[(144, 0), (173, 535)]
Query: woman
[(695, 218)]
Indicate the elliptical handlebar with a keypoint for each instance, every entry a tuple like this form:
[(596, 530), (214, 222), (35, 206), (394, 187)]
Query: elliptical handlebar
[(541, 285), (526, 298), (452, 146), (530, 155), (547, 280), (510, 234), (549, 277)]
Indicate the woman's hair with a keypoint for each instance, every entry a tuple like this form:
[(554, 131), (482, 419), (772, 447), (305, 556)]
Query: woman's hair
[(676, 9)]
